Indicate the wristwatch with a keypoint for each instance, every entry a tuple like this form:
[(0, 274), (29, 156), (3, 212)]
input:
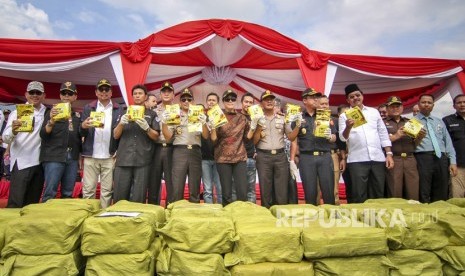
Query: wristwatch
[(389, 153)]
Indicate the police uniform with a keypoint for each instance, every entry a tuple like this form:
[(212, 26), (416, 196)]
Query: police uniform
[(402, 180), (272, 164), (315, 163), (161, 165), (187, 161), (133, 160), (455, 125)]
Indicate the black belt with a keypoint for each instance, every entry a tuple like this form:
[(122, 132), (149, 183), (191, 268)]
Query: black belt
[(430, 153), (403, 154), (165, 145), (275, 151), (315, 153), (187, 146)]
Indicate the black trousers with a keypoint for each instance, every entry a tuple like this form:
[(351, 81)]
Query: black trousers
[(161, 167), (292, 190), (434, 177), (233, 173), (186, 162), (313, 168), (348, 184), (26, 186), (130, 183), (273, 175), (368, 180)]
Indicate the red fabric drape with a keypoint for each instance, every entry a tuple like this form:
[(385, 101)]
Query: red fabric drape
[(48, 51), (392, 66), (313, 78)]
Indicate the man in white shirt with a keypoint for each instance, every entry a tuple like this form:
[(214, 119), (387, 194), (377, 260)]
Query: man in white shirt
[(99, 145), (27, 177), (366, 160)]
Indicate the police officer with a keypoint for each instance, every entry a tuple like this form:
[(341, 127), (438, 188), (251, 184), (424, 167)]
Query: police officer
[(315, 161), (272, 163), (187, 157), (162, 159), (403, 179)]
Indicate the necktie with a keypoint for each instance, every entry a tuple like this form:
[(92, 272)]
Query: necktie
[(433, 138)]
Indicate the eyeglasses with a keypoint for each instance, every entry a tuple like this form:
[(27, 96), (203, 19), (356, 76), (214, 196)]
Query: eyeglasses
[(186, 100), (35, 93), (230, 99), (104, 89), (67, 93)]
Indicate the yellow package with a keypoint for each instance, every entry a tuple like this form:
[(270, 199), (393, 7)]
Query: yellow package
[(136, 112), (174, 111), (356, 114), (25, 114), (322, 119), (194, 124), (413, 127), (216, 115), (255, 111), (64, 111), (98, 119), (292, 110)]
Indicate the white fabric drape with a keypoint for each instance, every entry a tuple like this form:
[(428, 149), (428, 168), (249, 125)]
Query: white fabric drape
[(218, 75)]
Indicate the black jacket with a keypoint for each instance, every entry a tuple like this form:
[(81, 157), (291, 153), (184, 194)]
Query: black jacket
[(88, 134), (63, 138)]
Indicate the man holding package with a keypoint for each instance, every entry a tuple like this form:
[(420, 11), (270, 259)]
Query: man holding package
[(187, 156), (366, 136), (61, 145), (315, 161), (99, 144), (272, 163), (136, 132), (27, 177), (403, 179)]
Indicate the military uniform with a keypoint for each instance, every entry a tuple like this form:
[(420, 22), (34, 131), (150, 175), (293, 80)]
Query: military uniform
[(402, 180)]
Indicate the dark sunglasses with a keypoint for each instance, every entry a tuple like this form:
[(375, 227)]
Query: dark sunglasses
[(104, 89), (67, 93), (186, 100), (231, 99), (35, 92)]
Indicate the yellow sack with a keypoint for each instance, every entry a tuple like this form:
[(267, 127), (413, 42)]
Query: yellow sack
[(200, 234), (51, 265), (128, 206), (414, 262), (57, 232), (353, 266), (351, 241), (141, 264), (454, 256), (6, 214), (93, 205), (265, 242), (176, 262), (118, 233), (273, 269)]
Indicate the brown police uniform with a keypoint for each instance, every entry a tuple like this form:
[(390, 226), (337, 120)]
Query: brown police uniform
[(403, 179)]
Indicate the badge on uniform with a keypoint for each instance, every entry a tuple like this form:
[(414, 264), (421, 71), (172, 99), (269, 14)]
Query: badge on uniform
[(179, 130), (304, 131), (262, 134)]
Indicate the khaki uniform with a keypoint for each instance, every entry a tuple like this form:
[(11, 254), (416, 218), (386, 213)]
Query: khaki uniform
[(403, 179)]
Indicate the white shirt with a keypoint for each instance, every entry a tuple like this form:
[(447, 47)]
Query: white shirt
[(25, 146), (365, 142), (102, 136)]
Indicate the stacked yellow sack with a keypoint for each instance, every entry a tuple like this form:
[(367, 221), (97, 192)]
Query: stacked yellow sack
[(45, 239), (121, 240), (261, 239), (5, 216), (194, 238)]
